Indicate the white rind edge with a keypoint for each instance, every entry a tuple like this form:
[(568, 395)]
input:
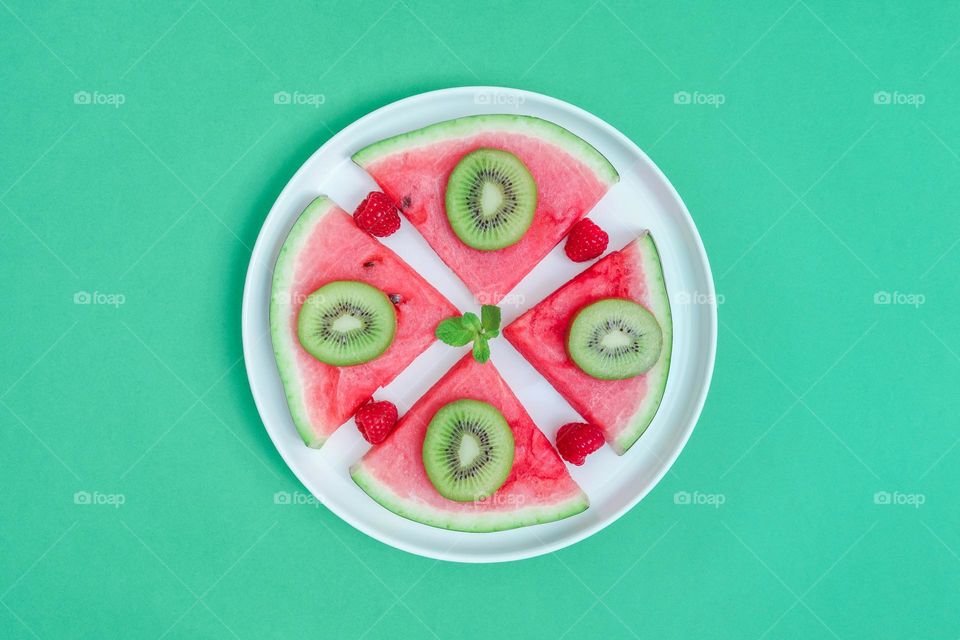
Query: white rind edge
[(467, 126), (284, 347), (657, 376), (465, 522)]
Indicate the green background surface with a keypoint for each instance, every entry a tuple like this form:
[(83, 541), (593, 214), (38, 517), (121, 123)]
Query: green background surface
[(813, 194)]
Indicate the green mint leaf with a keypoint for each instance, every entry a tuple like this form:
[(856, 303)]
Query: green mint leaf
[(472, 322), (481, 350), (458, 332), (453, 332), (490, 319)]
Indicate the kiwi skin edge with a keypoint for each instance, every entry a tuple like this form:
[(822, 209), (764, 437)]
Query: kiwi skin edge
[(523, 182), (379, 303), (611, 375), (435, 466)]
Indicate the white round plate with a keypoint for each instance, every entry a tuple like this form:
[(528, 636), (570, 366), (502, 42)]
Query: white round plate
[(643, 199)]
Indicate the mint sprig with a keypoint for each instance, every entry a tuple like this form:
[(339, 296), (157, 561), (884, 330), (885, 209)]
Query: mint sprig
[(490, 320), (458, 332)]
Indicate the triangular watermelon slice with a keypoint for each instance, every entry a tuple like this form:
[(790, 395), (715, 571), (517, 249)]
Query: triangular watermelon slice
[(622, 408), (539, 488), (413, 168), (325, 245)]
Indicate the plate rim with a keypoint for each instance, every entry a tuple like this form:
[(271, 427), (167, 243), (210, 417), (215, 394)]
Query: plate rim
[(684, 434)]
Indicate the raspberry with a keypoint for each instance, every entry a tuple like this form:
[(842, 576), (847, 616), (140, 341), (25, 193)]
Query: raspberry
[(577, 440), (376, 420), (376, 215), (586, 241)]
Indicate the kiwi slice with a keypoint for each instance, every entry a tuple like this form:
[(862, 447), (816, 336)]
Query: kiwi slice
[(490, 200), (346, 322), (614, 339), (468, 450)]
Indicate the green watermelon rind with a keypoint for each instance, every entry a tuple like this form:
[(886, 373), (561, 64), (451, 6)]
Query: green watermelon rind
[(284, 345), (466, 522), (472, 125), (659, 305)]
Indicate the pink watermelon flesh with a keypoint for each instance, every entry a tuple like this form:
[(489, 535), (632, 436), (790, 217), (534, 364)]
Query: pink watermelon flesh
[(622, 408), (413, 169), (538, 489), (325, 245)]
